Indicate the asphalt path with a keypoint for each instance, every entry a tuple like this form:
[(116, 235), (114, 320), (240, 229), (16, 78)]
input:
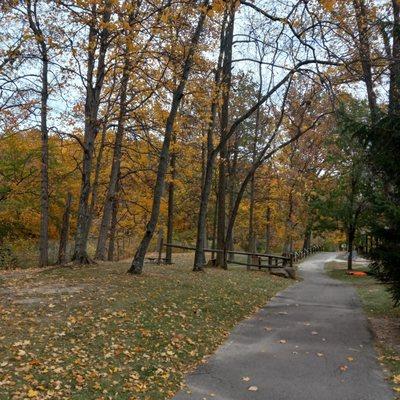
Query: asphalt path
[(311, 342)]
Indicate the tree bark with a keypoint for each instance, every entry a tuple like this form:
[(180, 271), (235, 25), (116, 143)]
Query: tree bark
[(138, 260), (288, 245), (214, 231), (64, 233), (232, 178), (199, 258), (113, 226), (171, 209), (116, 164), (268, 231), (394, 91), (350, 246), (95, 185), (92, 104), (224, 122), (251, 236), (44, 136)]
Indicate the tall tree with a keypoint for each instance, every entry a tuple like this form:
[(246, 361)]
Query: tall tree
[(42, 44), (226, 79), (98, 43), (138, 260), (101, 252)]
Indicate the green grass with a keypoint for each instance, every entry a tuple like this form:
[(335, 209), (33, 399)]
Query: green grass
[(116, 336), (378, 305)]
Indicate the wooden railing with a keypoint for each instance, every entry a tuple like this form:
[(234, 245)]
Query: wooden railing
[(259, 260), (301, 254)]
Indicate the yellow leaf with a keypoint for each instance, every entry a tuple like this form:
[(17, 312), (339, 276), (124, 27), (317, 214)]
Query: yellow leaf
[(32, 393)]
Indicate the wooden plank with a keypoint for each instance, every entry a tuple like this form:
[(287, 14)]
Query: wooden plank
[(255, 265)]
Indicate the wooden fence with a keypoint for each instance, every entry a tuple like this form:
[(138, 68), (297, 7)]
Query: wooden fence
[(301, 254), (259, 260)]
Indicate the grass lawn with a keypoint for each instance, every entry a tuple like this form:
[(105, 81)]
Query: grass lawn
[(97, 333), (384, 318)]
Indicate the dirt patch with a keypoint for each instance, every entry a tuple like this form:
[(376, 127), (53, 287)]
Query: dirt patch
[(387, 331), (36, 294), (51, 289)]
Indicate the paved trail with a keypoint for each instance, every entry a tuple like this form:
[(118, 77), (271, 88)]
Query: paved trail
[(311, 342)]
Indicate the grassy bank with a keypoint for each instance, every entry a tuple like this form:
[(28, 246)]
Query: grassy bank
[(97, 333), (383, 317)]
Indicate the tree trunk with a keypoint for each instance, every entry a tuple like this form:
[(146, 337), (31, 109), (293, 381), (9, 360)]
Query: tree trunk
[(171, 209), (268, 231), (226, 87), (394, 92), (232, 187), (288, 245), (113, 228), (116, 164), (95, 186), (214, 231), (350, 246), (137, 263), (199, 258), (44, 198), (92, 104), (64, 233), (251, 245), (44, 136), (160, 245)]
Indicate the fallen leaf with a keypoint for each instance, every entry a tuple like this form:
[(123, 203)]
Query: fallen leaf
[(320, 354), (343, 368), (32, 393), (350, 358), (246, 378), (283, 341), (253, 388)]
